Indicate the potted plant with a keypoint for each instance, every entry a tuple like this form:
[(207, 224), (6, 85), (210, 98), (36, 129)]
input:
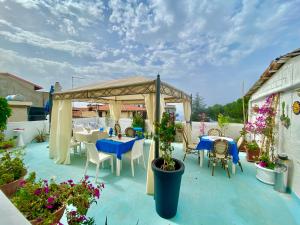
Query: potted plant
[(285, 120), (44, 201), (252, 150), (167, 171), (264, 125), (41, 136), (138, 121), (12, 172), (223, 122), (179, 129)]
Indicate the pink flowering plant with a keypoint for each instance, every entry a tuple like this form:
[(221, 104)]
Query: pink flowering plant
[(264, 125), (38, 200)]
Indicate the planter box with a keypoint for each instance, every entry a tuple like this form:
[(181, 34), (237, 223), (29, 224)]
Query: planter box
[(265, 175), (252, 155)]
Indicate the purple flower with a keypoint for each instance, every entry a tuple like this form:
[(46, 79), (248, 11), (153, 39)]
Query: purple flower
[(50, 200), (49, 206), (46, 189), (38, 191), (97, 193), (22, 183), (86, 177), (70, 181)]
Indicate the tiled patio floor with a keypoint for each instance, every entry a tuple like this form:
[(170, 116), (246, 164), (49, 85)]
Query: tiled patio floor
[(204, 200)]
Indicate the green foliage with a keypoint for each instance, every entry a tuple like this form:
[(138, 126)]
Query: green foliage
[(40, 199), (11, 168), (179, 126), (41, 136), (7, 144), (5, 112), (285, 120), (198, 107), (222, 120), (252, 145), (138, 121), (233, 110), (166, 132), (266, 159)]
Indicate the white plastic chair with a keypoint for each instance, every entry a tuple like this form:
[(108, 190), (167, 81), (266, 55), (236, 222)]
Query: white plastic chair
[(136, 153), (96, 157)]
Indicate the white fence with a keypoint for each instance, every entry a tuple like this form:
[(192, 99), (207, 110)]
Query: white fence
[(31, 127)]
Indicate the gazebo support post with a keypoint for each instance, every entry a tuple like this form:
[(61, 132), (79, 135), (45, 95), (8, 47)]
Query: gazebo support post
[(157, 115)]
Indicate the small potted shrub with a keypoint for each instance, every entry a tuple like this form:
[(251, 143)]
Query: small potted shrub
[(138, 121), (41, 136), (167, 171), (44, 202), (12, 172), (252, 150), (179, 129)]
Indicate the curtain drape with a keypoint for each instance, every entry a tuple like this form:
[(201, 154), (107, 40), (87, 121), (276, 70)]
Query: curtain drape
[(115, 110), (150, 107), (187, 117), (60, 133)]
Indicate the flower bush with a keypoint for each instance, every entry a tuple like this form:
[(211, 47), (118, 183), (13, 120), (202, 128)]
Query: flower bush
[(38, 200), (11, 168), (264, 125)]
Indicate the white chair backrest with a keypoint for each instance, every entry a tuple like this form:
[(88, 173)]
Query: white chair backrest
[(137, 148), (92, 153), (94, 136), (240, 141), (103, 135)]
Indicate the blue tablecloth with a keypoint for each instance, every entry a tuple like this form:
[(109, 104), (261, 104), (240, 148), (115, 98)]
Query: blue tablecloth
[(116, 147), (207, 144)]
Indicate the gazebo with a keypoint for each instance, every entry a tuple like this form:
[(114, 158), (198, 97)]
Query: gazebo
[(132, 90)]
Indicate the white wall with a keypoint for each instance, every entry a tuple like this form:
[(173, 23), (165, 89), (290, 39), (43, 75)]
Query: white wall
[(30, 129), (286, 80)]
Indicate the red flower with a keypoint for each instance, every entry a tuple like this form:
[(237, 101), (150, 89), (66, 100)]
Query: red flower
[(38, 191), (49, 206), (97, 193)]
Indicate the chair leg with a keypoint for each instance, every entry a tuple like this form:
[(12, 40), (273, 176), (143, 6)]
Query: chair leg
[(208, 163), (97, 172), (184, 156), (198, 157), (132, 167), (240, 166), (112, 164), (86, 166), (227, 170), (138, 159), (213, 168)]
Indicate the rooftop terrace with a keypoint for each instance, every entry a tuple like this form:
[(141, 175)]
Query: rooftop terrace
[(204, 199)]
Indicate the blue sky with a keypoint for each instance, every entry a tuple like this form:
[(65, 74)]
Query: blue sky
[(208, 47)]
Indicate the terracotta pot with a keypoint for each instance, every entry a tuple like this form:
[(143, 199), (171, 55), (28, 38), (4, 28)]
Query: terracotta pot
[(57, 214), (252, 155), (10, 189)]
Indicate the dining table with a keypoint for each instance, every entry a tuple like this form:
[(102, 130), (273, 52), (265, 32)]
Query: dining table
[(207, 143), (117, 146)]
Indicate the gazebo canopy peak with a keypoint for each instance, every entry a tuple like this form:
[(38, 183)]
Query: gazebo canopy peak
[(130, 90)]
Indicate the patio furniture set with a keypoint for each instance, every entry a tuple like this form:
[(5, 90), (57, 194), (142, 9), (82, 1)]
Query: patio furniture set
[(219, 150), (101, 146)]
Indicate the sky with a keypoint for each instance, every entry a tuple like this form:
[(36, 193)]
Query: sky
[(208, 46)]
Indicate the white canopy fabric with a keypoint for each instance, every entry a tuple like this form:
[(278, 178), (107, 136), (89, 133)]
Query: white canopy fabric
[(115, 110), (131, 90), (150, 103), (60, 132), (187, 117)]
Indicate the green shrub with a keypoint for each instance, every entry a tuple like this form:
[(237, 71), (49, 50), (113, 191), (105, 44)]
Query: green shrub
[(11, 168), (138, 121), (5, 112)]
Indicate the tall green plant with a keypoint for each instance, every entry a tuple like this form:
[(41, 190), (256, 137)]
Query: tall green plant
[(166, 131), (223, 122), (138, 121), (5, 112)]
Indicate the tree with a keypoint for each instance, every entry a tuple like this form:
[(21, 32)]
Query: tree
[(5, 112), (198, 107)]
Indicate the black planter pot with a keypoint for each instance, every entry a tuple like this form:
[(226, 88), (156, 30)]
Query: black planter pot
[(166, 187)]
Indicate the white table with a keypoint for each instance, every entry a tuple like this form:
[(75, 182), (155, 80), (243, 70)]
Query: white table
[(213, 138), (119, 161)]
